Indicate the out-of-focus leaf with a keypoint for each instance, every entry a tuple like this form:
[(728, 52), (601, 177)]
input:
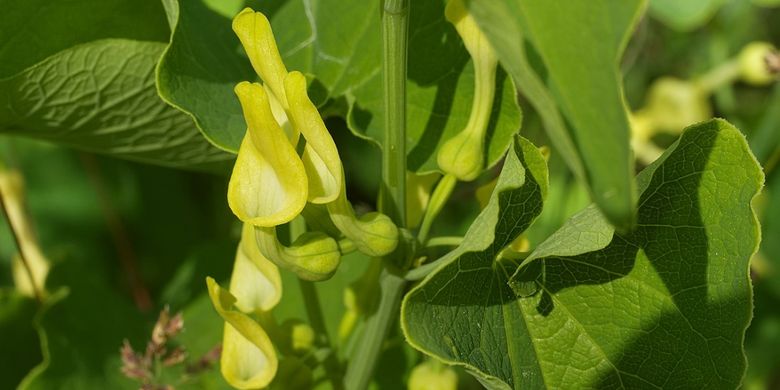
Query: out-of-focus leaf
[(580, 44), (21, 346), (205, 61), (81, 330), (684, 15)]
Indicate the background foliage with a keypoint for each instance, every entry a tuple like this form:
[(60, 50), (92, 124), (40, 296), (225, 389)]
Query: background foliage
[(151, 82)]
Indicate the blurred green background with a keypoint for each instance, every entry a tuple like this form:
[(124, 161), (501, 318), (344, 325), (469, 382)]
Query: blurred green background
[(117, 231)]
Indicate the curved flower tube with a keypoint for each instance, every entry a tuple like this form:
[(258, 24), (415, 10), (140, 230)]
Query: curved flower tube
[(313, 256), (462, 155), (248, 358), (268, 186), (255, 282)]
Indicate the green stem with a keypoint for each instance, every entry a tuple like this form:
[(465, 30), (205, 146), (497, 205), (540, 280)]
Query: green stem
[(714, 79), (438, 199), (363, 361), (395, 20), (394, 37), (317, 321), (311, 300), (444, 241)]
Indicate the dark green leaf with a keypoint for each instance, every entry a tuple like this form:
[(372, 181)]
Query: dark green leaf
[(664, 306), (21, 346), (82, 74)]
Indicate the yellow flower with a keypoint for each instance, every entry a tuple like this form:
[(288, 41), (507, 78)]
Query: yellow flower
[(248, 358), (462, 155), (288, 158), (271, 183), (255, 282)]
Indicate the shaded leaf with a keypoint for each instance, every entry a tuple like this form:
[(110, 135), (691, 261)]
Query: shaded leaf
[(664, 306), (21, 346), (580, 44)]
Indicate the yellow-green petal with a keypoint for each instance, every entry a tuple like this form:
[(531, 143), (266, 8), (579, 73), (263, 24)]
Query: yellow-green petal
[(268, 186), (255, 282), (248, 358), (254, 32), (320, 157)]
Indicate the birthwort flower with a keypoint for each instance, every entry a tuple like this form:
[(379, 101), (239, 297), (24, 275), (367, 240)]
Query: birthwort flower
[(288, 158), (248, 359), (462, 155), (271, 183)]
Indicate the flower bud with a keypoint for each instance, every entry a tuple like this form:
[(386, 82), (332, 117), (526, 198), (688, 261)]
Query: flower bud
[(431, 375), (674, 104), (313, 256), (299, 336), (756, 63), (374, 233)]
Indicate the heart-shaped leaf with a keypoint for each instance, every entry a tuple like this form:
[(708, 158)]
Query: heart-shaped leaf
[(663, 306)]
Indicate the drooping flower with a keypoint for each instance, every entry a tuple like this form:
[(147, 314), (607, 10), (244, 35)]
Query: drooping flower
[(462, 155), (248, 358)]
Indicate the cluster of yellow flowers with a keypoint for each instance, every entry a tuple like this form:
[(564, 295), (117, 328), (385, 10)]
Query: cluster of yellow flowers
[(287, 161)]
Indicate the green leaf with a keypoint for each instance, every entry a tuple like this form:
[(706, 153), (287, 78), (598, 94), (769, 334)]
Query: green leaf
[(87, 81), (580, 44), (663, 306), (684, 15), (79, 346), (204, 62), (30, 35)]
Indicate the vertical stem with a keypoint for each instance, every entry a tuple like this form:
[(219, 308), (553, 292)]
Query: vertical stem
[(395, 18), (311, 300), (394, 44)]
